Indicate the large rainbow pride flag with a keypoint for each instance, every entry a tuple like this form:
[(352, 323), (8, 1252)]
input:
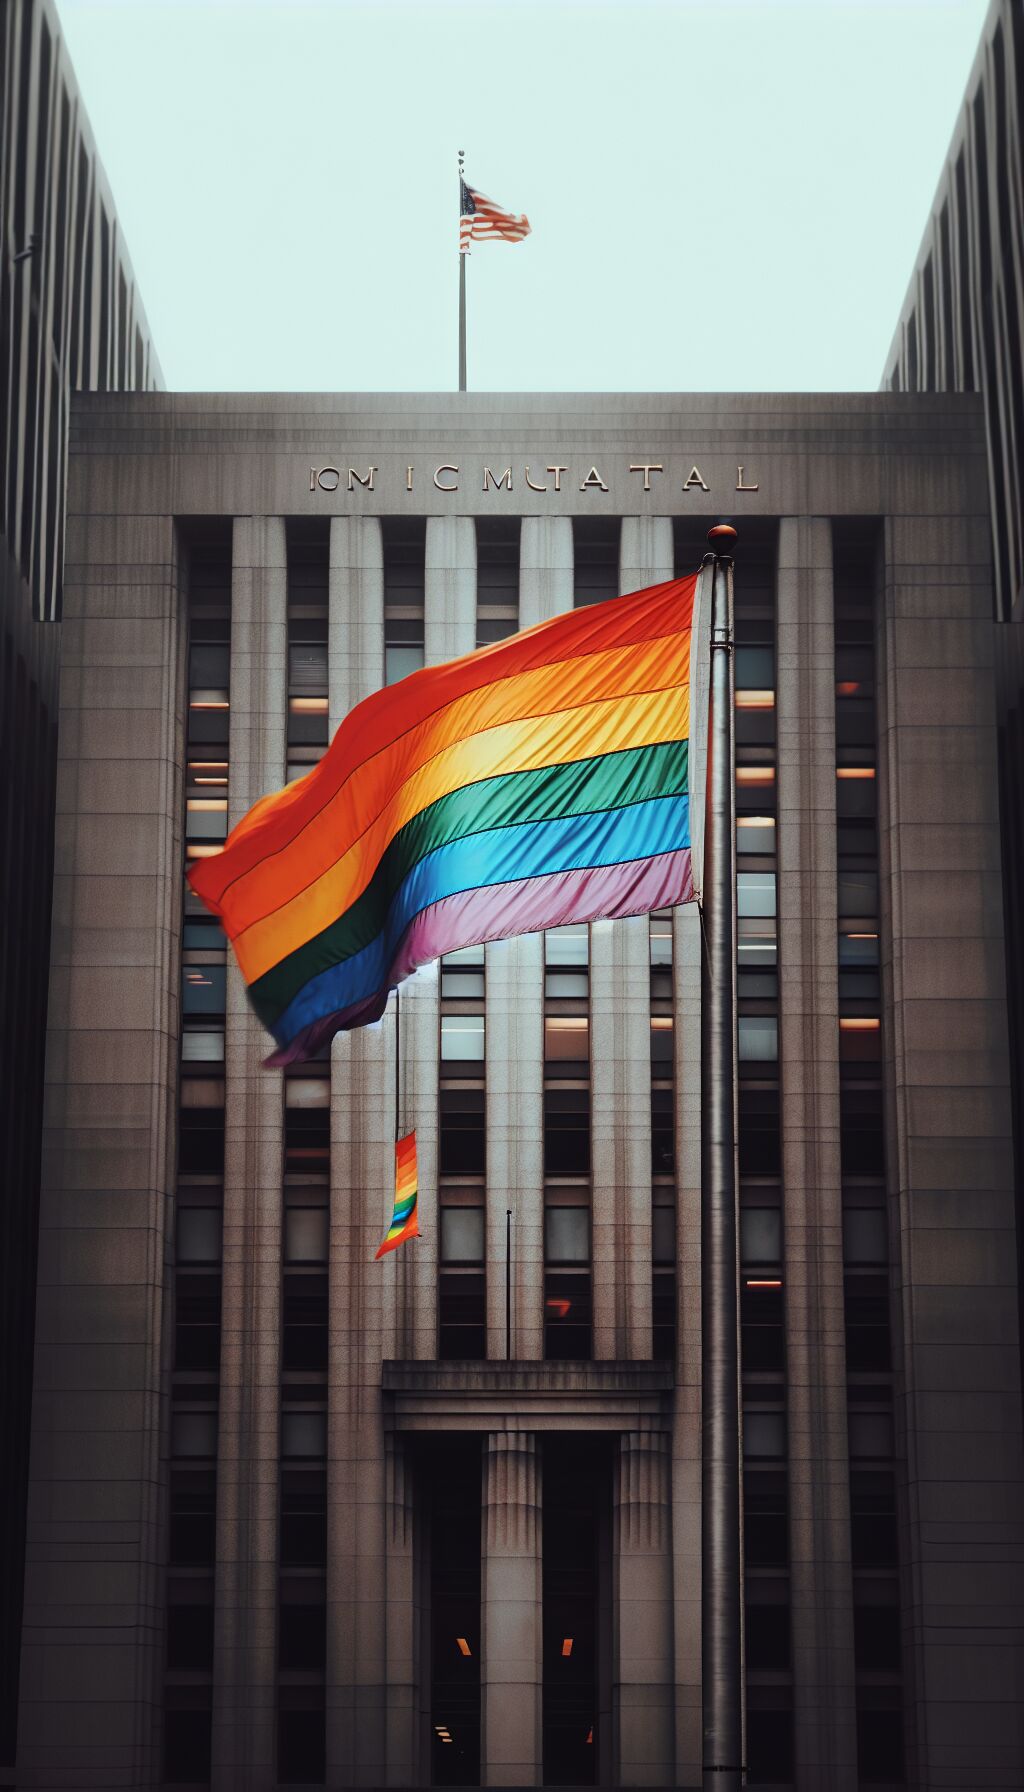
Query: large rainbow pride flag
[(539, 781)]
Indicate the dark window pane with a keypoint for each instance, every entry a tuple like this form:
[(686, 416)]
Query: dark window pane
[(769, 1746), (301, 1747), (567, 1318), (187, 1747), (767, 1638), (567, 1132), (190, 1637), (880, 1746), (462, 1315), (463, 1142), (304, 1329), (302, 1638)]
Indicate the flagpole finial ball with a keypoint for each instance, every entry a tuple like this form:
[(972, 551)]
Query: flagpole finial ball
[(722, 537)]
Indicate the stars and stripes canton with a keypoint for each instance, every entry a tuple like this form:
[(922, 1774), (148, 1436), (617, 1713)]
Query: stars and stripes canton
[(480, 218)]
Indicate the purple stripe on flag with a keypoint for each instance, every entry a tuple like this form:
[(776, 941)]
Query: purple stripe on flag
[(499, 911)]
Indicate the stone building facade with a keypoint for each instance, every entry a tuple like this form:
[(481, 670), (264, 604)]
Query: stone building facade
[(300, 1517), (70, 317)]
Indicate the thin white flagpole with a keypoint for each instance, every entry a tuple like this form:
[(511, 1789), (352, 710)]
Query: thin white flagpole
[(462, 286)]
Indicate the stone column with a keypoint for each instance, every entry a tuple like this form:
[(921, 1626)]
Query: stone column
[(366, 1298), (515, 1042), (511, 1752), (247, 1454), (686, 1400), (643, 1646), (401, 1629), (949, 1155), (820, 1584), (620, 1065), (92, 1641)]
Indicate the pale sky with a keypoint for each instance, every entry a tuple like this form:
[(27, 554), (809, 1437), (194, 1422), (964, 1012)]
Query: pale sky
[(725, 194)]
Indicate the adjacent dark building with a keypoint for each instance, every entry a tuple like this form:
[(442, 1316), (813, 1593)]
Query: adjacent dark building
[(962, 330), (70, 318), (295, 1518)]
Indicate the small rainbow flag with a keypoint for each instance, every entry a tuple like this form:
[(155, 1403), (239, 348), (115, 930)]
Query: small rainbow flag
[(542, 780), (405, 1219)]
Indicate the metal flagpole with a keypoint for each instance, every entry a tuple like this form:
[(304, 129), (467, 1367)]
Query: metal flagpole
[(398, 1061), (508, 1284), (462, 288), (721, 1611)]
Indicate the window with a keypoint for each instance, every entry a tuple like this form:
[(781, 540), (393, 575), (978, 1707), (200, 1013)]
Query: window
[(301, 1736), (595, 542), (663, 1135), (198, 1234), (761, 1328), (760, 1235), (769, 1740), (867, 1324), (193, 1433), (203, 989), (865, 1235), (663, 1313), (758, 1038), (303, 1433), (566, 1132), (767, 1629), (567, 1316), (301, 1626), (462, 1235), (566, 1045), (303, 1518), (566, 961), (759, 1147), (765, 1519), (462, 1039), (463, 1139), (187, 1726), (306, 1234), (462, 1315), (462, 974), (201, 1142), (880, 1741), (567, 1234), (497, 578), (304, 1323), (193, 1500), (662, 1045), (873, 1518), (404, 542), (764, 1433), (196, 1321), (189, 1626), (871, 1435)]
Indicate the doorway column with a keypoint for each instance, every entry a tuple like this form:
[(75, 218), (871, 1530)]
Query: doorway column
[(511, 1752)]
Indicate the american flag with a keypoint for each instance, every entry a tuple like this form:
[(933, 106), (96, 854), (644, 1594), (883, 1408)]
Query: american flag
[(480, 218)]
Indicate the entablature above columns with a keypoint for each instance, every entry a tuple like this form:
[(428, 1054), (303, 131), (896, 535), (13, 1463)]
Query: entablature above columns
[(526, 1396)]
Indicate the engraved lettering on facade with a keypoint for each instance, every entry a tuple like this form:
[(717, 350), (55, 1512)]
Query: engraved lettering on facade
[(646, 467), (367, 481), (408, 479), (328, 479), (557, 471), (695, 477), (593, 479), (503, 479), (740, 487), (437, 479), (534, 488)]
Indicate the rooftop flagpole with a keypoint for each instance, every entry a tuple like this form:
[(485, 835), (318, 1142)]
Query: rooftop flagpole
[(462, 284), (721, 1609)]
